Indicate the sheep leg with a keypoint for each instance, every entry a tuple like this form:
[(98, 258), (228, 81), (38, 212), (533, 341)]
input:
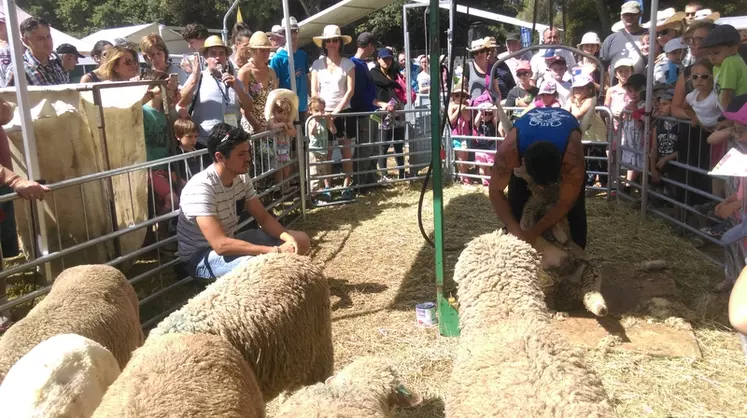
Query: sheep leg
[(591, 288)]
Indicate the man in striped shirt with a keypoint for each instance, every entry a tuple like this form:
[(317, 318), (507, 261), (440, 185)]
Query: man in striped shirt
[(42, 66), (209, 218)]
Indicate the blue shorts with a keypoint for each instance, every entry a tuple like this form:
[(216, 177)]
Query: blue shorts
[(212, 266)]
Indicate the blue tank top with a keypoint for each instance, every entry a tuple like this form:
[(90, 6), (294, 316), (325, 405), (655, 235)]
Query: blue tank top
[(545, 124)]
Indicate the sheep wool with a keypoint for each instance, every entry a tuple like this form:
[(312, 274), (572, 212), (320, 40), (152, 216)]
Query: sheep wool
[(275, 310), (510, 360), (93, 301), (567, 277), (368, 387), (184, 375), (64, 376)]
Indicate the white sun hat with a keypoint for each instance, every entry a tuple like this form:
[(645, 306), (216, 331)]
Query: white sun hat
[(331, 32), (277, 95), (590, 38)]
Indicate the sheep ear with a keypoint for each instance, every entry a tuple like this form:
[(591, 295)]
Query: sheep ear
[(404, 397)]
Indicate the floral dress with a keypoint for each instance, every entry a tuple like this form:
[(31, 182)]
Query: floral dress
[(259, 95)]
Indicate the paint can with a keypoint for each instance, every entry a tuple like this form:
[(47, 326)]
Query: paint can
[(426, 314)]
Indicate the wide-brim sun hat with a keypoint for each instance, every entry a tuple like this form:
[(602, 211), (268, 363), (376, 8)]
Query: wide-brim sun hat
[(281, 94), (666, 17), (212, 42), (331, 32), (617, 27), (706, 14), (458, 88), (260, 40), (590, 38), (582, 80)]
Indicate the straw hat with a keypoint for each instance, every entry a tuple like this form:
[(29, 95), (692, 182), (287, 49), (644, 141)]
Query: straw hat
[(480, 44), (214, 41), (458, 88), (706, 14), (260, 40), (331, 32), (590, 38), (666, 17), (277, 95)]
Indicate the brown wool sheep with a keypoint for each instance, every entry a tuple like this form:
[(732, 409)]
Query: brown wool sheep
[(368, 387), (568, 276), (62, 377), (511, 361), (184, 375), (93, 301), (275, 310)]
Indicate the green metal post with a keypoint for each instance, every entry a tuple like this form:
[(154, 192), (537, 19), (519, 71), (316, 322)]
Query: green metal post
[(448, 321)]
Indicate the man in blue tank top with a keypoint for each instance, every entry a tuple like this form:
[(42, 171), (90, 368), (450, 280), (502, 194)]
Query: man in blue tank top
[(547, 141)]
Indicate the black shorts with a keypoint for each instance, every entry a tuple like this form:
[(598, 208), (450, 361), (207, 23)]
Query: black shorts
[(346, 125)]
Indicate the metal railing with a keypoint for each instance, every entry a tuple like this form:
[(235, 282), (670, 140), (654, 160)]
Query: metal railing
[(286, 206)]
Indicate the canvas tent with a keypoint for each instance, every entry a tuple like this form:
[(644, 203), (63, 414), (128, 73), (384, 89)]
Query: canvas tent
[(58, 37), (135, 34)]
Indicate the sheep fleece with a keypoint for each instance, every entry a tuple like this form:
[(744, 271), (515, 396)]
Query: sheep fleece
[(64, 376), (184, 375), (93, 301), (510, 361), (275, 310)]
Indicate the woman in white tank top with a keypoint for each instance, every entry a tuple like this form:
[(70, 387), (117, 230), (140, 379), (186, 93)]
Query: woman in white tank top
[(333, 79)]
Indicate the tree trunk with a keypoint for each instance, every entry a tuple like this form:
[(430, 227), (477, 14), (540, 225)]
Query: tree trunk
[(604, 18), (311, 7)]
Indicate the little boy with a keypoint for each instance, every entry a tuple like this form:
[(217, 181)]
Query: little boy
[(186, 132), (729, 69), (320, 151), (665, 138), (674, 50)]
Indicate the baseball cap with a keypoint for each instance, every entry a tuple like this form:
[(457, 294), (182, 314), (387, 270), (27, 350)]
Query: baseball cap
[(637, 81), (674, 44), (512, 36), (384, 53), (624, 62), (366, 38), (293, 23), (582, 80), (548, 87), (630, 7), (725, 35), (665, 94), (69, 49), (524, 66), (556, 59)]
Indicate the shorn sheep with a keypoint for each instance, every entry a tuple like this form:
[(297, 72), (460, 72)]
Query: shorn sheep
[(184, 375), (511, 361), (93, 301), (567, 276), (64, 376), (275, 310), (368, 387)]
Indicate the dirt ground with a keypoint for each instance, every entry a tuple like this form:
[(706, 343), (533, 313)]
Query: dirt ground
[(379, 267)]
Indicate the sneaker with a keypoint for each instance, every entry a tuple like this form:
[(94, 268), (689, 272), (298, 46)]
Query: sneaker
[(717, 231), (347, 195), (384, 179), (324, 197)]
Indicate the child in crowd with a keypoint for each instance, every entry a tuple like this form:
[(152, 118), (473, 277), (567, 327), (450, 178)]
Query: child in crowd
[(486, 125), (701, 104), (524, 93), (559, 73), (460, 119), (729, 69), (280, 111), (581, 106), (319, 129), (616, 98), (632, 129), (665, 138), (186, 132), (674, 50), (547, 96)]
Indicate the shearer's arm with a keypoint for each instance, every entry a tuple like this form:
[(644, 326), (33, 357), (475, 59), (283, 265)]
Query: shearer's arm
[(506, 159)]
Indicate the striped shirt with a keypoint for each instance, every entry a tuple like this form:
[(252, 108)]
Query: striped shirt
[(205, 195)]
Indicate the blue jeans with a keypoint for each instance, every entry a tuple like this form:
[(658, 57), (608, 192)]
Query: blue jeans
[(214, 266)]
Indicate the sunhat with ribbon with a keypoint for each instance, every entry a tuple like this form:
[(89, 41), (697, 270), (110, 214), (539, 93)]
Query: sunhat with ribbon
[(331, 32), (260, 40)]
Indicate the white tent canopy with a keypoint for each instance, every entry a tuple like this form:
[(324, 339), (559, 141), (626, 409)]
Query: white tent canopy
[(134, 34), (58, 37), (341, 14), (495, 17)]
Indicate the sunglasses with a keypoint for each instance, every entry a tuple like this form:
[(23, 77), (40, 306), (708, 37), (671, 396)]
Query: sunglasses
[(704, 77), (523, 73), (694, 40), (331, 41), (663, 32), (690, 14)]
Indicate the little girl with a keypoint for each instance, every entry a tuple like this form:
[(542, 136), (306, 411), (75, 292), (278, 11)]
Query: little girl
[(486, 125), (280, 111), (320, 150), (461, 121), (702, 103), (632, 129), (547, 96), (580, 105)]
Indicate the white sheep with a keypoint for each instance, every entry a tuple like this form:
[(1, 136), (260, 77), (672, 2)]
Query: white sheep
[(275, 310), (511, 361), (368, 387), (64, 376), (93, 301), (568, 276), (184, 375)]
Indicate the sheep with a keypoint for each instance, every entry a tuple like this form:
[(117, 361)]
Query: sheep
[(64, 376), (368, 387), (510, 360), (275, 310), (186, 375), (93, 301), (567, 275)]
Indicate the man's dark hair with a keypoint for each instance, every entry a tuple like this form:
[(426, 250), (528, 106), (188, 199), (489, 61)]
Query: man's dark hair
[(224, 138), (242, 34), (31, 24), (240, 28), (98, 48), (195, 31), (543, 161)]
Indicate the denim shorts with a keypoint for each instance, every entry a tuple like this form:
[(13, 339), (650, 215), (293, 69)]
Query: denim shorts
[(207, 264)]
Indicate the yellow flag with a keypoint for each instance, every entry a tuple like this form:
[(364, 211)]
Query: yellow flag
[(239, 18)]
